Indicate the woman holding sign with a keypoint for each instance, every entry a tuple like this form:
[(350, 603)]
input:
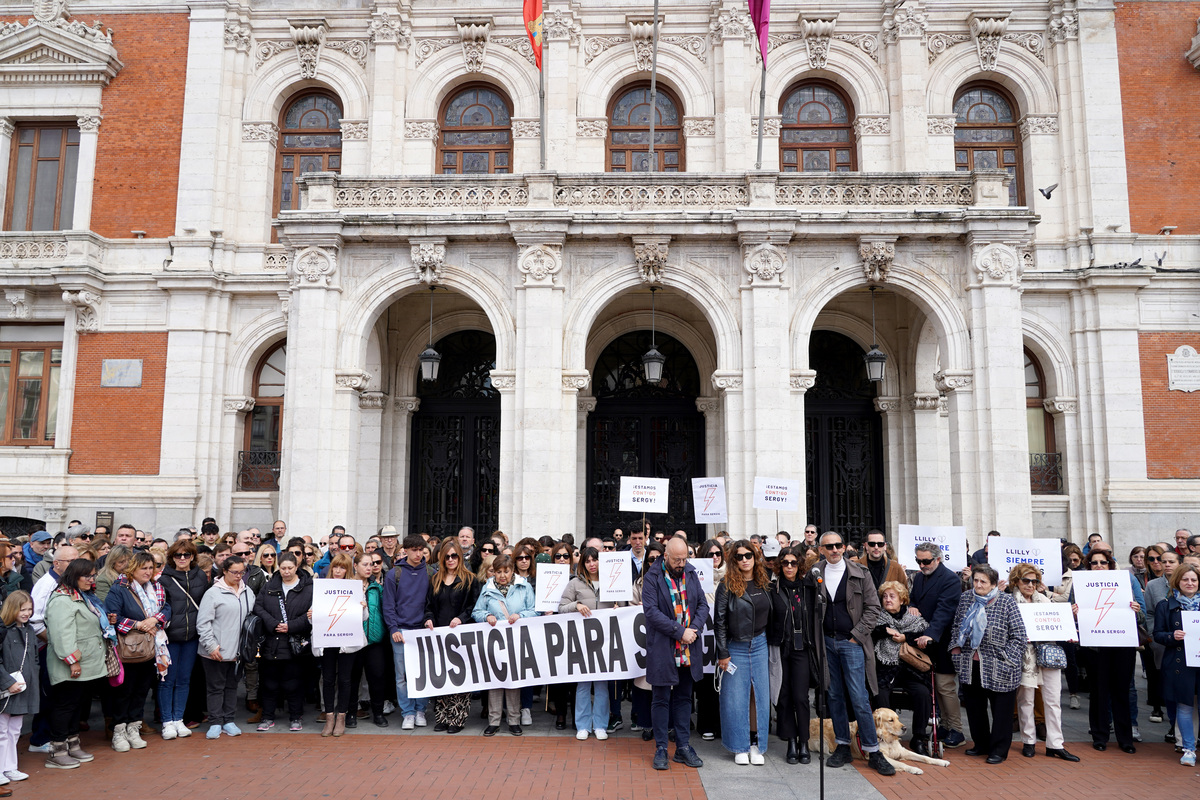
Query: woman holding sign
[(450, 603), (582, 596), (1180, 681), (740, 618)]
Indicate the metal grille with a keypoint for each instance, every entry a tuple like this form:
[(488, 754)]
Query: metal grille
[(1045, 473), (258, 471), (845, 471), (455, 471)]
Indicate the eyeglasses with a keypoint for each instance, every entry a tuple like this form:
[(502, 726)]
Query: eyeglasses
[(487, 550), (1029, 581), (375, 563), (744, 557), (876, 544), (242, 553), (87, 537), (790, 562), (237, 573), (925, 562), (834, 546), (1154, 559), (609, 547), (1103, 563), (183, 555), (714, 553), (346, 547), (522, 558), (452, 557), (562, 556)]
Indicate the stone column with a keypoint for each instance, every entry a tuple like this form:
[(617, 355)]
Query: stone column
[(738, 484), (390, 39), (584, 406), (895, 476), (560, 57), (505, 382), (736, 72), (906, 60), (369, 460), (800, 382), (964, 449), (1066, 434), (256, 197), (710, 407), (928, 486), (237, 409), (85, 176), (201, 118), (400, 467), (574, 441)]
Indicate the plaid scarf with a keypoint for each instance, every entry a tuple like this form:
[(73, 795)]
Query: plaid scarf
[(683, 656)]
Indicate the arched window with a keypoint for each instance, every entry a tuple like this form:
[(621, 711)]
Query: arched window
[(258, 464), (815, 134), (476, 133), (629, 131), (1045, 464), (985, 135), (310, 141)]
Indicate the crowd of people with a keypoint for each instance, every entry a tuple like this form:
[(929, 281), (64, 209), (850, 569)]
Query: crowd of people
[(116, 619)]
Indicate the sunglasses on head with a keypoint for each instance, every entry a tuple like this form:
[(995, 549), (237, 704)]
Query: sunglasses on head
[(925, 562)]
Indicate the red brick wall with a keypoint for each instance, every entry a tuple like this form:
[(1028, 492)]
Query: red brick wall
[(118, 431), (137, 159), (1172, 448), (1160, 91)]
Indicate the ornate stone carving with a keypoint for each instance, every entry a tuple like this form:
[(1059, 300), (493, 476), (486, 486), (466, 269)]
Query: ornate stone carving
[(237, 404), (276, 260), (595, 45), (308, 41), (49, 10), (576, 381), (26, 249), (866, 42), (845, 191), (89, 124), (938, 43), (371, 401), (764, 263), (467, 195), (591, 128), (585, 406), (559, 24), (802, 380), (924, 401), (53, 14), (1064, 24), (539, 264), (873, 126), (650, 258), (384, 28), (1035, 43), (237, 35), (420, 129), (260, 132), (952, 380), (771, 125), (636, 193), (428, 259), (988, 32), (474, 43), (355, 48), (313, 265), (7, 129), (285, 303), (407, 404), (998, 262), (1061, 405), (699, 126), (816, 33), (708, 405), (1033, 125), (642, 36), (427, 47), (354, 131), (940, 124), (87, 309), (519, 45), (526, 128), (877, 259), (730, 24), (885, 404), (727, 381), (908, 21), (503, 381), (352, 380), (19, 300)]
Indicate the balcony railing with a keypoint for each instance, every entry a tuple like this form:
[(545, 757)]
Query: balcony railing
[(1045, 473), (258, 471)]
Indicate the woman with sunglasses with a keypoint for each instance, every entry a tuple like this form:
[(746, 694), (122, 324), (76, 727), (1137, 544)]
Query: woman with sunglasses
[(373, 657), (481, 560), (10, 576), (561, 695), (266, 559), (1025, 585), (1181, 681), (582, 596), (219, 624), (450, 603), (708, 703), (311, 556), (523, 557), (790, 633), (1110, 672), (642, 692), (184, 585), (742, 611)]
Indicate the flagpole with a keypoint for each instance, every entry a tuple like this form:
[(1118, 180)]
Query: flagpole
[(762, 110), (542, 102), (653, 85)]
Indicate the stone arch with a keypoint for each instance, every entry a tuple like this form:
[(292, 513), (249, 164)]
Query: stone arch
[(701, 350), (446, 70), (1017, 70), (1044, 342), (615, 68), (405, 361), (280, 80), (848, 67), (925, 358), (249, 346), (859, 331)]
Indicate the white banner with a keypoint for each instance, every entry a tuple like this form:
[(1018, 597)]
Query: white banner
[(1048, 622), (562, 648), (1005, 552), (777, 493), (337, 619), (616, 576), (1191, 638), (1105, 617), (708, 499), (704, 568), (645, 495), (552, 579), (951, 538)]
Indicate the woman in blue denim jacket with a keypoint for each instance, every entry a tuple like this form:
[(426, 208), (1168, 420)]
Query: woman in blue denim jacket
[(506, 596)]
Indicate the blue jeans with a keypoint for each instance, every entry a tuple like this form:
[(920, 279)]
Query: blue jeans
[(407, 707), (1183, 726), (848, 680), (751, 661), (173, 689), (671, 708), (591, 713), (527, 697)]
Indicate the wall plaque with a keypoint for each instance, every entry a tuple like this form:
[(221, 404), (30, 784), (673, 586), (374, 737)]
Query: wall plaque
[(1183, 369), (126, 373)]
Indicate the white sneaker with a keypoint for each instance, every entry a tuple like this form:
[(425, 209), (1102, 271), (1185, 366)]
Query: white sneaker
[(16, 775), (421, 723), (1188, 760), (741, 759), (39, 748), (756, 758), (581, 735), (1137, 735), (409, 723), (168, 731), (183, 731), (3, 779), (601, 734), (526, 716), (388, 708), (1074, 701)]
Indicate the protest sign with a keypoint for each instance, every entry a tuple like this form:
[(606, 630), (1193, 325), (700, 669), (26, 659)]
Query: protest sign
[(337, 619), (616, 576), (1105, 617), (1048, 622), (951, 538), (551, 580), (644, 495), (1005, 552), (708, 500), (1191, 638), (777, 494), (704, 568)]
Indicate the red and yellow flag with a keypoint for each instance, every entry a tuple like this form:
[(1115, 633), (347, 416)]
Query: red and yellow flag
[(533, 25)]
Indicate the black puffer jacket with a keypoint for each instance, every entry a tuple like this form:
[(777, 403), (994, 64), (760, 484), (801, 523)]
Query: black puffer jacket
[(275, 646), (455, 601), (184, 592)]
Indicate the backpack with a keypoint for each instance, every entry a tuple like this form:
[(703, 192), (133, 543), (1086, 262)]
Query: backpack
[(251, 638)]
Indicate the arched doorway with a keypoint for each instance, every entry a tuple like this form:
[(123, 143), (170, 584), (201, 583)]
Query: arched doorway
[(843, 440), (455, 475), (644, 430)]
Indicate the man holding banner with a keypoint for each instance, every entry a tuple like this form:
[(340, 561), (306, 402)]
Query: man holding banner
[(676, 611)]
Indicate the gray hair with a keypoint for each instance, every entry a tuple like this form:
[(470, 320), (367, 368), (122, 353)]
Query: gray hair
[(931, 548), (75, 531), (183, 532)]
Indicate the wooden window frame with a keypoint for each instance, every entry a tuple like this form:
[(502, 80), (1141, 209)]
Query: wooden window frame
[(852, 143), (263, 401), (282, 151), (7, 438), (61, 161), (1036, 402), (660, 151), (491, 149), (971, 148)]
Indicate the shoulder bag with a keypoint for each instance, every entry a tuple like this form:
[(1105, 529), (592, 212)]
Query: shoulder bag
[(135, 647), (915, 658), (1050, 655)]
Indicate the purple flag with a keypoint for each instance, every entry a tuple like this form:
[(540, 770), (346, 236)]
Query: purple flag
[(760, 14)]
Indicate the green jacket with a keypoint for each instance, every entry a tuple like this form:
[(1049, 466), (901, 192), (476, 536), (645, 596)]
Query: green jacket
[(72, 626), (373, 625)]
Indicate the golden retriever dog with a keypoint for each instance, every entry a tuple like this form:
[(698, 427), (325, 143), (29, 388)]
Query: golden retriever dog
[(889, 729)]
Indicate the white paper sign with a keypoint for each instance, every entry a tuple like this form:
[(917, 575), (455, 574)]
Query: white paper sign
[(777, 493), (337, 619), (1048, 622), (1005, 552), (708, 499), (704, 568), (1191, 637), (616, 576), (951, 538), (1105, 618), (552, 579), (644, 495)]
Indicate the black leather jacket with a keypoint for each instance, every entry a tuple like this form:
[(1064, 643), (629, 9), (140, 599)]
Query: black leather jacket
[(733, 619)]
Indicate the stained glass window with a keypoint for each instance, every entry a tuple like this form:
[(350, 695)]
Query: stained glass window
[(476, 133), (985, 135), (629, 131), (815, 132), (310, 140)]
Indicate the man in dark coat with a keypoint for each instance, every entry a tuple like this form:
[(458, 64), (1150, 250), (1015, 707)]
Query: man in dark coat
[(675, 608), (935, 592)]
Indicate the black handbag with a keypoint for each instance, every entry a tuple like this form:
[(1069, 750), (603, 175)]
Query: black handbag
[(250, 639)]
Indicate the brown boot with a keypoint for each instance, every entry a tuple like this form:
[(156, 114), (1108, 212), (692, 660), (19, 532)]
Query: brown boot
[(321, 717), (339, 725), (257, 717), (330, 719), (75, 751), (58, 757)]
